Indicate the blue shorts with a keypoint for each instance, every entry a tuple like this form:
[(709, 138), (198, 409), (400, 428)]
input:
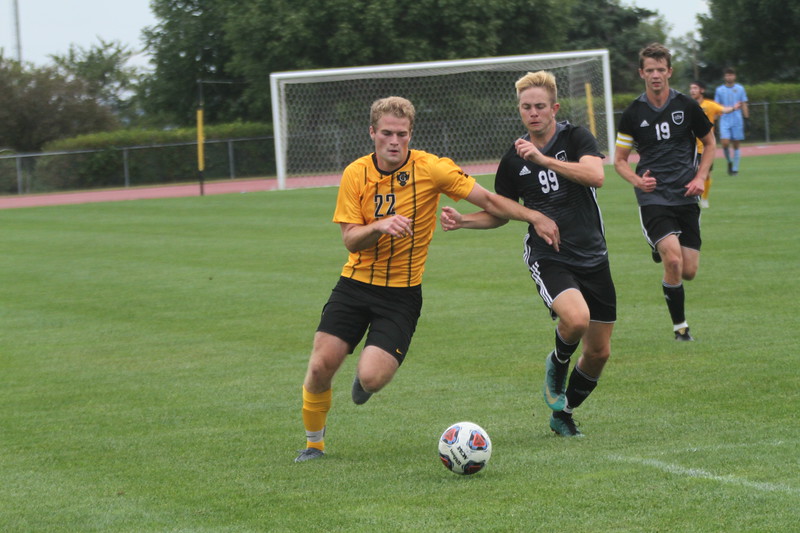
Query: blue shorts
[(731, 130)]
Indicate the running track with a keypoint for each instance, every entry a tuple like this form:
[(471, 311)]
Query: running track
[(243, 186)]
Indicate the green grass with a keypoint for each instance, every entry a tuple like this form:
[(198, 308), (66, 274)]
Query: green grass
[(152, 352)]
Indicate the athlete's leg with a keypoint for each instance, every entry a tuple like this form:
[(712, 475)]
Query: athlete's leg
[(596, 348), (672, 285), (671, 256), (706, 192), (327, 356), (691, 263), (376, 368), (573, 320), (573, 316), (586, 373)]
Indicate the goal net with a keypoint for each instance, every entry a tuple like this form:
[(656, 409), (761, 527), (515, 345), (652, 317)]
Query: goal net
[(466, 109)]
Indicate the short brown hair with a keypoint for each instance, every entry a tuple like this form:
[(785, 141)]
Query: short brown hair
[(392, 105), (542, 79), (655, 51)]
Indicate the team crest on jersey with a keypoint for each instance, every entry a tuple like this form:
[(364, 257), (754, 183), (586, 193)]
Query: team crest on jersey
[(677, 117), (402, 178), (562, 155)]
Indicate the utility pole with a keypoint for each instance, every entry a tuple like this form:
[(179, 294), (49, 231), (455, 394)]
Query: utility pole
[(201, 139), (201, 135), (16, 31)]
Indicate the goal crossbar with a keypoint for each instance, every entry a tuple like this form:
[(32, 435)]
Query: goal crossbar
[(280, 81)]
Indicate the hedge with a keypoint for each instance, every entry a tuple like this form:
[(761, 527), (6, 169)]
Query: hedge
[(169, 156)]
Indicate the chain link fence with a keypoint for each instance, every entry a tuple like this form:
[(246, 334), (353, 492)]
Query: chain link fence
[(229, 159), (135, 166)]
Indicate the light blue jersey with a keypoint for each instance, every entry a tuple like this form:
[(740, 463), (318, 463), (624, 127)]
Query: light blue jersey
[(729, 97)]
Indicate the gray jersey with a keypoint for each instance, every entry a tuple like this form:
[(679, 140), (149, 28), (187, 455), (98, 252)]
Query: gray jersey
[(572, 206), (666, 139)]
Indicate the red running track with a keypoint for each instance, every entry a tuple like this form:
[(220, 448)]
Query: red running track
[(255, 185)]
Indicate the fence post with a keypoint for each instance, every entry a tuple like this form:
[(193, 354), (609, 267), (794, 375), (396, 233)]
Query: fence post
[(766, 121), (231, 162), (20, 177), (125, 169)]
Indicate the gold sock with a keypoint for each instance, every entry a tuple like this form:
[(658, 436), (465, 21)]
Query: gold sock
[(315, 413), (704, 196)]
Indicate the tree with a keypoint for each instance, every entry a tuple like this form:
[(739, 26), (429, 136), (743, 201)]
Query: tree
[(188, 44), (757, 37), (279, 35), (246, 40), (103, 68), (41, 105), (624, 31)]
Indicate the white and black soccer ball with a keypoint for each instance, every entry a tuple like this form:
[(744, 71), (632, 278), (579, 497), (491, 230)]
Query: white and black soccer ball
[(465, 448)]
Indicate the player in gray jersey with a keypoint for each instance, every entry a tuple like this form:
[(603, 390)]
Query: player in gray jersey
[(554, 169), (663, 125)]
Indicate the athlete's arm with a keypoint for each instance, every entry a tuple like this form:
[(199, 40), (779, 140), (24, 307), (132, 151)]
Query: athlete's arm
[(588, 171), (505, 208), (697, 185), (358, 237), (451, 219), (646, 183)]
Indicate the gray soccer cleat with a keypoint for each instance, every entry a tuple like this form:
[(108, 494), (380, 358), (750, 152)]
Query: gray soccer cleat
[(309, 454), (360, 396)]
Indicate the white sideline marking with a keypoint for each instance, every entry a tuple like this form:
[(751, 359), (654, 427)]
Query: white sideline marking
[(703, 474)]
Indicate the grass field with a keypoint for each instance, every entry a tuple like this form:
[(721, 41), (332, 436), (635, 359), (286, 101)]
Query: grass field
[(151, 356)]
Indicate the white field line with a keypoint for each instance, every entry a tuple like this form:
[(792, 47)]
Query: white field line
[(703, 474)]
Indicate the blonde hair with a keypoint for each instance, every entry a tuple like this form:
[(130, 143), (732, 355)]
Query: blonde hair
[(392, 105), (542, 79)]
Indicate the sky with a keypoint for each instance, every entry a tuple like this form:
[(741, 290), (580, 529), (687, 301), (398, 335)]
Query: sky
[(49, 27), (680, 14)]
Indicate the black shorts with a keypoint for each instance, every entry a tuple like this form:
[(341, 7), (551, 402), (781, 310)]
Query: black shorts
[(595, 283), (658, 221), (390, 313)]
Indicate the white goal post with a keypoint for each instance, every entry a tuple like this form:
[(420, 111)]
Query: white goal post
[(466, 109)]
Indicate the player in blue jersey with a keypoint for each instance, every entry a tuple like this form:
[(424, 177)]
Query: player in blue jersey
[(731, 125), (555, 169), (663, 125)]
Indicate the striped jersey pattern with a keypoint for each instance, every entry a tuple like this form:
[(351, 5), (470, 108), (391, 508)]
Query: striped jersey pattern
[(367, 194)]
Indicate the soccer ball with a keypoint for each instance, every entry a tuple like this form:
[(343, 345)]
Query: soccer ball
[(465, 448)]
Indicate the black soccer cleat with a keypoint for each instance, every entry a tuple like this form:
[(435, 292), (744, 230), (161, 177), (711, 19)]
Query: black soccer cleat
[(656, 256), (683, 335), (359, 395)]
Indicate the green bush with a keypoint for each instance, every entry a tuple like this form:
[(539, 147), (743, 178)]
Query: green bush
[(153, 157), (774, 110)]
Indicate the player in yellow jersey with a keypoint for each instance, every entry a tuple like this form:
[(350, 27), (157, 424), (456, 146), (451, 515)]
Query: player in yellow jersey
[(713, 111), (387, 208)]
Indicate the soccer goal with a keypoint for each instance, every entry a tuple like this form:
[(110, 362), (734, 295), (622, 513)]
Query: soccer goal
[(466, 109)]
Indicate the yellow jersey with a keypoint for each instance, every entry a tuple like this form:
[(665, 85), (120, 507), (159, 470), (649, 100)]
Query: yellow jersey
[(713, 111), (367, 194)]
